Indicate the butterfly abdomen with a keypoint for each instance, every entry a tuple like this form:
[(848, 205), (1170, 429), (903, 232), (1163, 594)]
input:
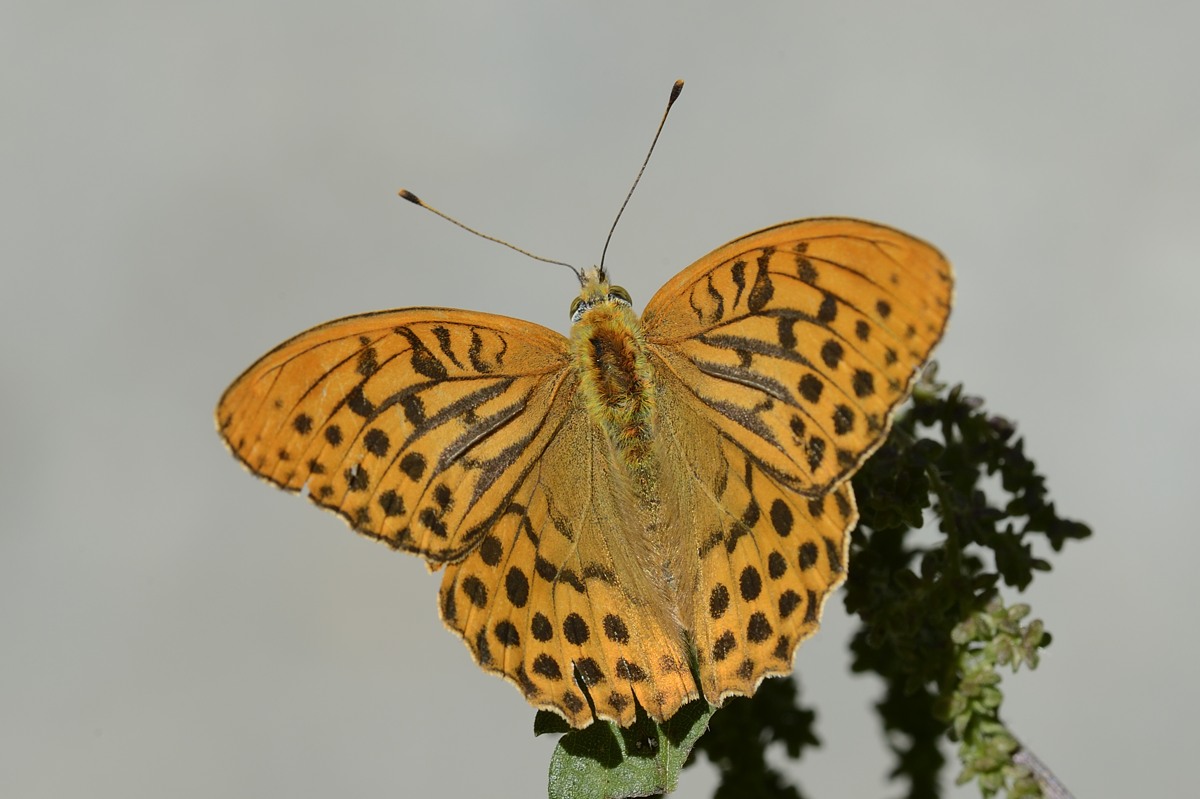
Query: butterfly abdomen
[(616, 379)]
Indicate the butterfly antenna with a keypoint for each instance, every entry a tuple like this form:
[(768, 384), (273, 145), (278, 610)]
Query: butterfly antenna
[(415, 200), (675, 90)]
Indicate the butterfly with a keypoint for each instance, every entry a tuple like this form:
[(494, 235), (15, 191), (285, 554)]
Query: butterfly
[(642, 513)]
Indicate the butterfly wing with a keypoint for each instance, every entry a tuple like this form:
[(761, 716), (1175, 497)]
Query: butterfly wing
[(801, 338), (781, 357), (555, 596), (460, 437), (392, 420)]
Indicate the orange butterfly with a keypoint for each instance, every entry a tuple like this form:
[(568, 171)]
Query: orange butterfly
[(647, 496)]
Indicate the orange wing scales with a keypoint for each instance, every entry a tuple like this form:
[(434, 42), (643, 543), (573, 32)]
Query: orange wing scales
[(392, 419)]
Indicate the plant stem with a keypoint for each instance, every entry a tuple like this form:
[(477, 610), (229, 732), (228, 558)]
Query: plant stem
[(1051, 787)]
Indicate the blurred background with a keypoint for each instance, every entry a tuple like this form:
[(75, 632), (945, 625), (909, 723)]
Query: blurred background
[(186, 185)]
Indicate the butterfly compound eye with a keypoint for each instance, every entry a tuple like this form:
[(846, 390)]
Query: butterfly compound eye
[(618, 293), (575, 305)]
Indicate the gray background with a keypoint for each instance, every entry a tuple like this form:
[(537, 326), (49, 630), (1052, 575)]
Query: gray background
[(185, 185)]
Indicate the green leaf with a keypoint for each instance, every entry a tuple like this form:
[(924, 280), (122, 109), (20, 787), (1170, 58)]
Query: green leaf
[(604, 761)]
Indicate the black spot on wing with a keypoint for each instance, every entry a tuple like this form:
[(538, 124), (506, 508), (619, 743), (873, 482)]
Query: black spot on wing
[(758, 629), (413, 465), (442, 335), (547, 667), (831, 353), (358, 403), (724, 644), (786, 331), (506, 633), (391, 503), (718, 602), (475, 591), (843, 419), (864, 383), (738, 273), (357, 478), (516, 587), (763, 290), (781, 518), (719, 301), (575, 630), (828, 310), (540, 627), (376, 441), (615, 629), (423, 361), (368, 361), (477, 363), (811, 387)]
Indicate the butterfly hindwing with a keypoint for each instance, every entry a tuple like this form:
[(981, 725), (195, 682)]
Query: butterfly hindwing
[(552, 598), (761, 558)]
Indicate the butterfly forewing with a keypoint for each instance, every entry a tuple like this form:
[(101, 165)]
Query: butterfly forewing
[(412, 424), (801, 338)]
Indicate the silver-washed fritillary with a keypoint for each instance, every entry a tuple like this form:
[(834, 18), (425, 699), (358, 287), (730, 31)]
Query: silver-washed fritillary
[(612, 506)]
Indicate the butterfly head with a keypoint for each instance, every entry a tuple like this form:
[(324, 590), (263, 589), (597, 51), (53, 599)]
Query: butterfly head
[(597, 291)]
